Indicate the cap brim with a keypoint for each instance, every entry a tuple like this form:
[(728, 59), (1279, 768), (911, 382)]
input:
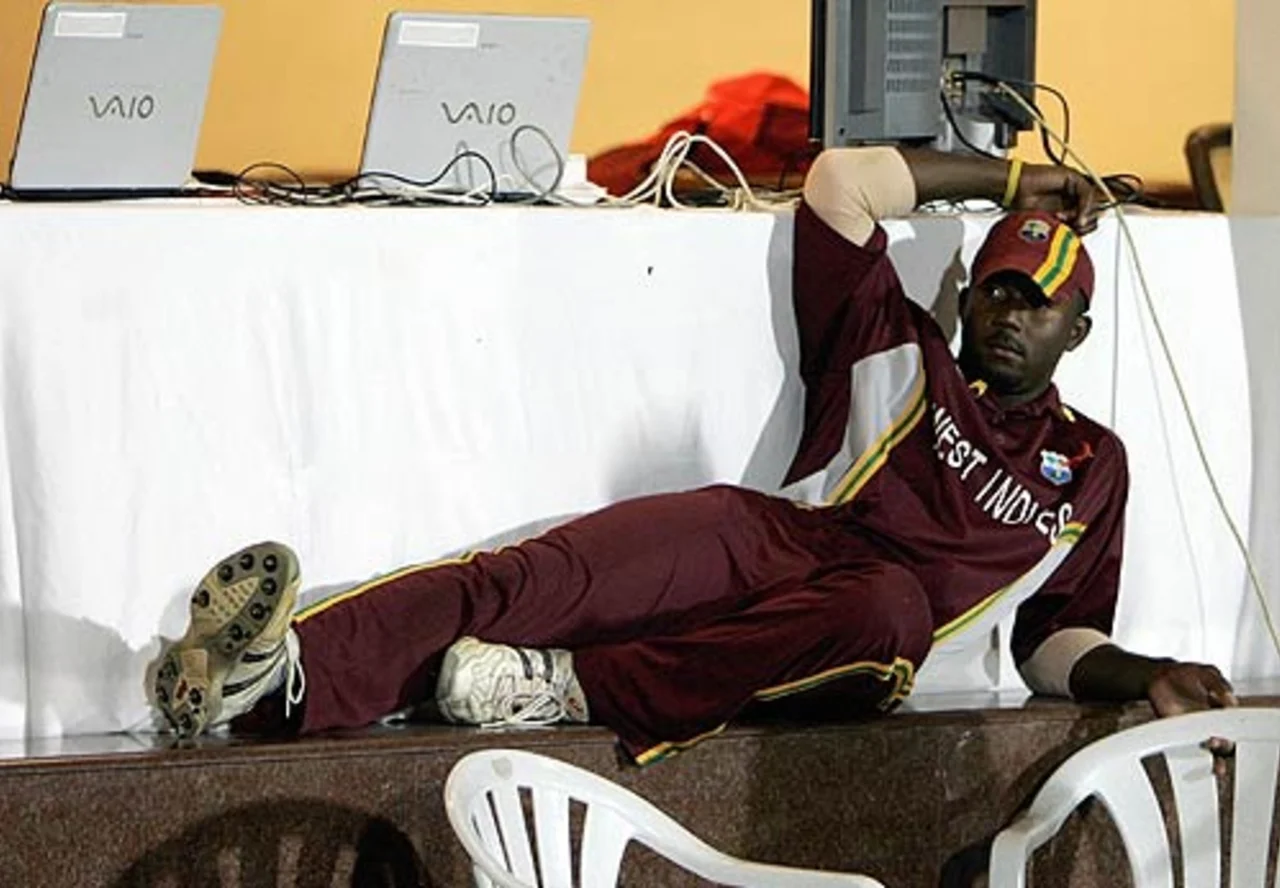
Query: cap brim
[(1028, 284)]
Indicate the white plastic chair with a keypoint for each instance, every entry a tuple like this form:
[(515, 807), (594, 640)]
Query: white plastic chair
[(483, 799), (1111, 770)]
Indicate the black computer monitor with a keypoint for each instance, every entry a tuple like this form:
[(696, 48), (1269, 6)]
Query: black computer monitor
[(877, 70)]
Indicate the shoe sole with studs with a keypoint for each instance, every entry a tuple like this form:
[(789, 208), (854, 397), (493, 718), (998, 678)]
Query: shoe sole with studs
[(236, 602)]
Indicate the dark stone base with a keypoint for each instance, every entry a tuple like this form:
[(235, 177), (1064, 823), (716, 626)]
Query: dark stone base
[(910, 799)]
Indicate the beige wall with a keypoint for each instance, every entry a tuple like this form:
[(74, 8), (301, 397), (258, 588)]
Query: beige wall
[(1140, 75), (1256, 140), (294, 77)]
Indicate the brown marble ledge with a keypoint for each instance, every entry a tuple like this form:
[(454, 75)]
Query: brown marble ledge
[(911, 798), (919, 711)]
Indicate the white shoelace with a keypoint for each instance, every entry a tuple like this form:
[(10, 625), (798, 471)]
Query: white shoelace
[(531, 710), (295, 682)]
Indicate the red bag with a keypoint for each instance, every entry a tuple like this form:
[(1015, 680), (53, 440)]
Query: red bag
[(761, 119)]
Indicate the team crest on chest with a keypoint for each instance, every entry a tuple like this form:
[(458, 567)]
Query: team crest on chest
[(1035, 231), (1055, 467)]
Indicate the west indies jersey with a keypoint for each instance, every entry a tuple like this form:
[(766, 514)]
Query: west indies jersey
[(992, 508)]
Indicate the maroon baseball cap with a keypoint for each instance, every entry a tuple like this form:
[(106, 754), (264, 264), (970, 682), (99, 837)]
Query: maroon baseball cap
[(1041, 247)]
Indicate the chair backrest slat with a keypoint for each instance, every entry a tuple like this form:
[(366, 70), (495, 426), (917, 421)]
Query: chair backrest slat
[(486, 808), (604, 839), (481, 815), (1255, 793), (555, 851), (1195, 795), (515, 834), (1132, 803)]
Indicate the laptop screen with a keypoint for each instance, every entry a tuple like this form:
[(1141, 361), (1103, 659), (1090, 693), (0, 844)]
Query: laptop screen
[(451, 87), (116, 97)]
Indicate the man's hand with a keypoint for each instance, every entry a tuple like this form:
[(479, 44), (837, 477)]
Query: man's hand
[(1177, 688), (1174, 688), (1110, 673), (1054, 189), (1067, 194)]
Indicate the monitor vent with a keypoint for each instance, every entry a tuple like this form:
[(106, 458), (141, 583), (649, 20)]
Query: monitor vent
[(914, 46), (913, 7)]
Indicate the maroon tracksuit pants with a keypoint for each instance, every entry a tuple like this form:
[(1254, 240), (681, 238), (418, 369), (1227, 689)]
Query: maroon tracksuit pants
[(680, 609)]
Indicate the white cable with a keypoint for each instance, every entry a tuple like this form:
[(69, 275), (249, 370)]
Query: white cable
[(1255, 581), (683, 156), (658, 186), (660, 183), (650, 187)]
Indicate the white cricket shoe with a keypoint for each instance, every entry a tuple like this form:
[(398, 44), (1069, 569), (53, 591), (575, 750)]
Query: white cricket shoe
[(494, 685), (238, 646)]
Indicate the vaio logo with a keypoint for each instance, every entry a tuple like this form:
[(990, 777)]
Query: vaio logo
[(140, 107), (492, 114)]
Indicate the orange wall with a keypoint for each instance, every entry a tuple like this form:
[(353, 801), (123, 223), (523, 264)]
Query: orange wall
[(1140, 75), (294, 77)]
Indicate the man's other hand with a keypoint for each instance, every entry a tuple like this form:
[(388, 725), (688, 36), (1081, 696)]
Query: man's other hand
[(1177, 688), (1067, 194), (1190, 687)]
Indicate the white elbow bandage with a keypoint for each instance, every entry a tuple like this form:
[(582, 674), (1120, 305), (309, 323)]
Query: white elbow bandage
[(852, 188), (1048, 670)]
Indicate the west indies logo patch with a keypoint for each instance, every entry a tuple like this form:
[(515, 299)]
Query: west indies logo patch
[(1057, 469), (1035, 231)]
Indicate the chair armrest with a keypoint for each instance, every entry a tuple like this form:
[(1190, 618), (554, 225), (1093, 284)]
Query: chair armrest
[(715, 866)]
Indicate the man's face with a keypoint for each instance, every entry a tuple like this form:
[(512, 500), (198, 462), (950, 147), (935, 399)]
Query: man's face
[(1012, 338)]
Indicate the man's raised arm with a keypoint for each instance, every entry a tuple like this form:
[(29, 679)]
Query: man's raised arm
[(851, 189)]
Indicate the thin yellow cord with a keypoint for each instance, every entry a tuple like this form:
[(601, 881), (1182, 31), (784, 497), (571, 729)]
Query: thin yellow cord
[(1255, 580), (1011, 186)]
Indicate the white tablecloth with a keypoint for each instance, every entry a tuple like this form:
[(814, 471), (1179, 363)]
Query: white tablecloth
[(379, 387)]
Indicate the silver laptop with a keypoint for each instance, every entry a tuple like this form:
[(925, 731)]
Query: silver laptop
[(116, 99), (503, 87)]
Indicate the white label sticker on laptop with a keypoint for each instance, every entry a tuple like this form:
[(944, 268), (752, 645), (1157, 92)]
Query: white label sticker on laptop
[(101, 25), (459, 35)]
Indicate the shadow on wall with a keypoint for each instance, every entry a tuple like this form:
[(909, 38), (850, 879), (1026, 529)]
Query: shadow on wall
[(666, 457), (931, 270), (932, 273), (292, 843), (1253, 242), (776, 446), (87, 678), (103, 686)]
